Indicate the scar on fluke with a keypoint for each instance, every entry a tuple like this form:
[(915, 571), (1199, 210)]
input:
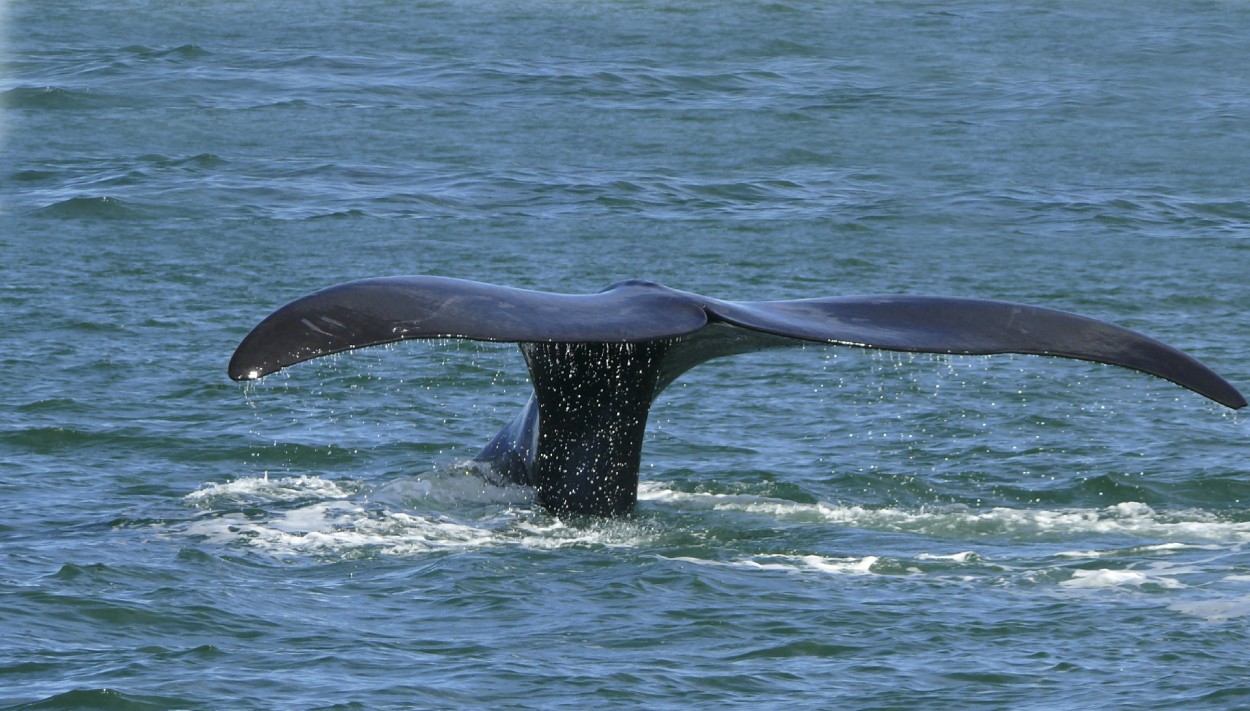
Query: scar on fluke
[(598, 361)]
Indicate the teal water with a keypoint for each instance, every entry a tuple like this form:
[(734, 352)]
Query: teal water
[(818, 528)]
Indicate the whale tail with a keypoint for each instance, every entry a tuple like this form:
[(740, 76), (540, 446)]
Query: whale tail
[(597, 362)]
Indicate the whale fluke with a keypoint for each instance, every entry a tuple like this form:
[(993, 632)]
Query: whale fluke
[(598, 361)]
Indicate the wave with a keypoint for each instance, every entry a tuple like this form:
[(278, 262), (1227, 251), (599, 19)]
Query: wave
[(93, 208), (180, 52), (287, 190), (292, 190), (55, 97), (105, 700), (546, 194)]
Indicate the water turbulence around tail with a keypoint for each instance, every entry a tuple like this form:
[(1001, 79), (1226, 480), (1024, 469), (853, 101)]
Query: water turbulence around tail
[(598, 361)]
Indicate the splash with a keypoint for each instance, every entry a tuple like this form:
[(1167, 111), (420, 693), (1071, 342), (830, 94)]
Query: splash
[(445, 511)]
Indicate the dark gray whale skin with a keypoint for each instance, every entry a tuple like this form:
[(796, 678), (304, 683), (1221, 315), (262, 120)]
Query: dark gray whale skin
[(598, 361)]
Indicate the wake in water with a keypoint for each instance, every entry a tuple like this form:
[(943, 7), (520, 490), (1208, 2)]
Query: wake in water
[(1132, 519), (450, 509), (1187, 560)]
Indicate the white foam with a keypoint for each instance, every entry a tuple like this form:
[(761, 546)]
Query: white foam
[(1118, 578), (851, 566), (790, 563), (964, 557), (311, 516), (336, 528), (557, 534), (264, 489), (1135, 550), (1133, 519), (323, 518)]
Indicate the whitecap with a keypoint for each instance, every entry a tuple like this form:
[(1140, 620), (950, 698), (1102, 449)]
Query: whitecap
[(1135, 550), (789, 563), (963, 557), (1105, 578)]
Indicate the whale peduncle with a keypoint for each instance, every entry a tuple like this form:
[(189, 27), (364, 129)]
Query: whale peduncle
[(578, 441)]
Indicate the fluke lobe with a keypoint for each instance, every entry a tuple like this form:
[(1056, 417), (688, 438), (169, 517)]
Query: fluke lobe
[(598, 361)]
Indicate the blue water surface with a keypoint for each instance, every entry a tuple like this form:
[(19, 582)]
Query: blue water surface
[(820, 527)]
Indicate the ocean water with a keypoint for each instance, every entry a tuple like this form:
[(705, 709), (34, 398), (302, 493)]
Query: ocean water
[(819, 528)]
